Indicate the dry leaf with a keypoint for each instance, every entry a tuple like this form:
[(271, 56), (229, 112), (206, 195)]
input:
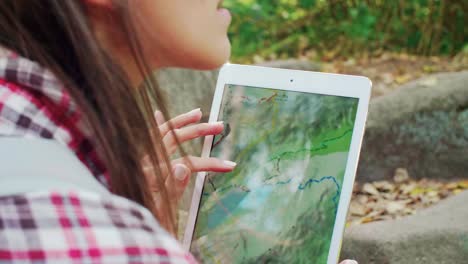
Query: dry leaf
[(463, 184), (362, 199), (390, 196), (402, 78), (452, 185), (384, 186), (358, 209), (370, 189), (407, 188), (394, 207), (417, 191), (387, 78), (401, 175), (367, 220)]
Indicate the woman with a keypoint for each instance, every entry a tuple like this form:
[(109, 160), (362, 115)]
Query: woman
[(75, 115)]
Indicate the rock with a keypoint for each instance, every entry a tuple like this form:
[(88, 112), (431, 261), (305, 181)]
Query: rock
[(438, 234), (188, 89), (422, 127)]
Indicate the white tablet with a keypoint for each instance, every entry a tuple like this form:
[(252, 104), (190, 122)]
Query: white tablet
[(296, 138)]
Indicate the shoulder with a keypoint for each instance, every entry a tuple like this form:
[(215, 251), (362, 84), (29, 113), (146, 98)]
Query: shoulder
[(80, 225), (36, 107)]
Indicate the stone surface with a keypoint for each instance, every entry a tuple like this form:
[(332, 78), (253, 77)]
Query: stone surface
[(188, 89), (435, 235), (422, 127)]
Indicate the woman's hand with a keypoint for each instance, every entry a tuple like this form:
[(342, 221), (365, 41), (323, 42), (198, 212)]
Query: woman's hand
[(187, 128)]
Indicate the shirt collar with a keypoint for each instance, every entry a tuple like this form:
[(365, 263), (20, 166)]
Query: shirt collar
[(27, 73)]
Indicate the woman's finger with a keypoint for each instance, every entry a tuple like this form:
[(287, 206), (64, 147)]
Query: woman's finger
[(182, 120), (198, 164), (177, 183), (159, 117), (191, 132)]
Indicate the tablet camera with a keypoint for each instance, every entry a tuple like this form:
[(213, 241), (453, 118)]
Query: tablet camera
[(292, 80)]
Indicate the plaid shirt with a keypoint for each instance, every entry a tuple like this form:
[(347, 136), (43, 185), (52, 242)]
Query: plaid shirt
[(68, 227)]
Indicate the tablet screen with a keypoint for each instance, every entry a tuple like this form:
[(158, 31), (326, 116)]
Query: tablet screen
[(279, 204)]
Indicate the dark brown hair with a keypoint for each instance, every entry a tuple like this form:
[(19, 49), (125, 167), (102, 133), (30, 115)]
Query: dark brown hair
[(58, 35)]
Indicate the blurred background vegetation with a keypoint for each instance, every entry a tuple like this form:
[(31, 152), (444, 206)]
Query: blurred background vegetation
[(324, 30)]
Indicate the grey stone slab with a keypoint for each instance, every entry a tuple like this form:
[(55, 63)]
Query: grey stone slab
[(435, 235)]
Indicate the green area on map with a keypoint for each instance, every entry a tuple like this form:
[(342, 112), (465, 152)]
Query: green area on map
[(279, 204)]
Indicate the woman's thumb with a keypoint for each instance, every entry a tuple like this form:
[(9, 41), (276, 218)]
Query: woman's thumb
[(181, 172)]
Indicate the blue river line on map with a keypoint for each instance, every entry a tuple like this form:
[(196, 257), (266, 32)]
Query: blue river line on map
[(231, 202)]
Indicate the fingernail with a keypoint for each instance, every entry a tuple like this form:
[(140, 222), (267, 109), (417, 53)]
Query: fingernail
[(349, 261), (219, 123), (159, 117), (180, 172), (230, 163), (194, 111)]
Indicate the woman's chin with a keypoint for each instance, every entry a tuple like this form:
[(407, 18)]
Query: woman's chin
[(213, 59), (215, 64), (217, 57), (208, 56)]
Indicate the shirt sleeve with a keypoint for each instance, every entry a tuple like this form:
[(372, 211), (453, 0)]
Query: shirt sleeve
[(81, 227)]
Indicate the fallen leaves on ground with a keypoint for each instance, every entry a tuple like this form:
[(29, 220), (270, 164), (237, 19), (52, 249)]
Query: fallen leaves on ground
[(384, 200)]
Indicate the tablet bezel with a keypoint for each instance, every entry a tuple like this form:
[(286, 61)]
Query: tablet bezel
[(301, 81)]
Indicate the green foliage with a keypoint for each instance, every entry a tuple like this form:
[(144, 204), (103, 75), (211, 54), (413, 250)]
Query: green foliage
[(284, 28)]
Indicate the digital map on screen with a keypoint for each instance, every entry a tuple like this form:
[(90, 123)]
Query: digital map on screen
[(279, 204)]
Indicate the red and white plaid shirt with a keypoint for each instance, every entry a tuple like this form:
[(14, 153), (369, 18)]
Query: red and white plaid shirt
[(73, 226)]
